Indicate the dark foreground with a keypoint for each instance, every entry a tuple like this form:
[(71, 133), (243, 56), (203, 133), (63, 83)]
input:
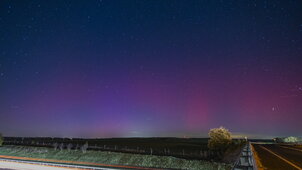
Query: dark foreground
[(279, 157)]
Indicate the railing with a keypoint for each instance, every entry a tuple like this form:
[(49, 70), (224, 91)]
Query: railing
[(246, 159)]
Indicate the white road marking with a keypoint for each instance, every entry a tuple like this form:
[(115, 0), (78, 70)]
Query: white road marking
[(291, 148), (285, 160)]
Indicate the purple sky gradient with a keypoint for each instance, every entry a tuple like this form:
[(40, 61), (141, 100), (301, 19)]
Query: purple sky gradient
[(150, 68)]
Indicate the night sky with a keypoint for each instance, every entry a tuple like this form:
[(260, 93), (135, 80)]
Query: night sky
[(140, 68)]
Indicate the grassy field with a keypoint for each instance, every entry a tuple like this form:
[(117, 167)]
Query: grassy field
[(112, 158), (185, 148)]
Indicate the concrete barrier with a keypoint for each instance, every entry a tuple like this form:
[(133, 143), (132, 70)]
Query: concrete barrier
[(246, 159)]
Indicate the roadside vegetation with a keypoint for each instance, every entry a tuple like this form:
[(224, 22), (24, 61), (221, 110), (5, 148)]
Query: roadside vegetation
[(219, 151), (112, 158), (222, 142), (187, 148), (220, 139)]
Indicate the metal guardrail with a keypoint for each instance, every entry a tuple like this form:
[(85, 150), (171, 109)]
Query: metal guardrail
[(246, 159)]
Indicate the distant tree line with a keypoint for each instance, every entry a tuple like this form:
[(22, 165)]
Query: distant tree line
[(290, 139)]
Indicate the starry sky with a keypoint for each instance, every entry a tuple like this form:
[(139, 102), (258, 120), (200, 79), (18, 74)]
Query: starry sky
[(141, 68)]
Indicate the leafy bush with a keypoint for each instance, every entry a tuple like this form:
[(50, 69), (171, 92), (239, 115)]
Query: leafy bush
[(69, 146), (220, 139), (291, 139), (84, 147), (55, 145)]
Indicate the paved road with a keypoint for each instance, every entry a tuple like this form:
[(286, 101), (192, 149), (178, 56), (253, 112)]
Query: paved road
[(279, 157)]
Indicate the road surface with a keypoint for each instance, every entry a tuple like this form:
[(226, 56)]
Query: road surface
[(278, 157)]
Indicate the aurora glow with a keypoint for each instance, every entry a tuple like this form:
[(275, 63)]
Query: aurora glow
[(121, 68)]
